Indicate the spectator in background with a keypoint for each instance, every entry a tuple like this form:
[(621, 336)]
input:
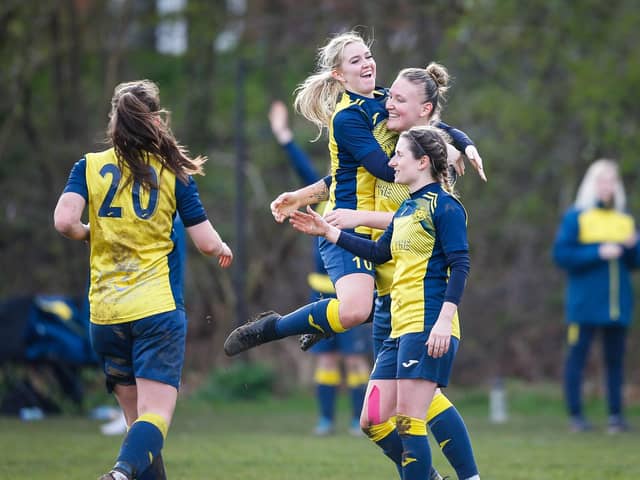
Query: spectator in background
[(597, 245), (138, 325), (353, 347)]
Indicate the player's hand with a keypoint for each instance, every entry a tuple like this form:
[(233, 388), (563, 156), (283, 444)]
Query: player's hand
[(632, 241), (225, 257), (610, 251), (439, 339), (285, 204), (455, 160), (279, 120), (440, 336), (310, 223), (342, 218), (476, 160)]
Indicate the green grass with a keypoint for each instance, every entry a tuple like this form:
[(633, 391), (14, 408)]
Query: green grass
[(270, 440)]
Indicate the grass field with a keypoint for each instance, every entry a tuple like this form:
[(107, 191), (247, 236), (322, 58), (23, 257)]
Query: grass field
[(270, 440)]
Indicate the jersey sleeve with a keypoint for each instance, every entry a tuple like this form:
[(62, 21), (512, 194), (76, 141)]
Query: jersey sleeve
[(188, 203), (378, 251), (353, 134), (450, 221), (451, 227), (460, 139), (77, 181)]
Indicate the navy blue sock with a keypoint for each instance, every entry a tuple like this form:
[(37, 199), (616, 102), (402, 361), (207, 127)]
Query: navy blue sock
[(451, 433), (155, 471), (142, 444), (318, 317)]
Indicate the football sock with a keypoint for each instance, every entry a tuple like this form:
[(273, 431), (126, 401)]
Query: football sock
[(318, 317), (385, 435), (451, 433), (416, 454), (155, 471), (142, 444), (327, 383)]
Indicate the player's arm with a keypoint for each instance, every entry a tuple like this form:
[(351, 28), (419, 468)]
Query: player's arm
[(206, 239), (354, 135), (345, 218), (464, 144), (312, 223), (288, 202), (451, 228), (67, 216)]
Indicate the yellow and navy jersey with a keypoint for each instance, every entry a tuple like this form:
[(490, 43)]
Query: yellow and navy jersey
[(599, 292), (388, 198), (358, 134), (427, 240), (135, 265)]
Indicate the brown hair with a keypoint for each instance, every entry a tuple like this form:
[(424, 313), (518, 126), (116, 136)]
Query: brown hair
[(435, 82), (138, 127), (428, 141)]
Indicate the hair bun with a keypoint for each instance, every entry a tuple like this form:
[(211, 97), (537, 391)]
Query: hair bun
[(439, 74)]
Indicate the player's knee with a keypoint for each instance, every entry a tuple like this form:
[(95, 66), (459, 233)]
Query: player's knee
[(354, 314)]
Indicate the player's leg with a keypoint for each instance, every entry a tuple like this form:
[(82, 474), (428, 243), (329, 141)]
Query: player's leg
[(356, 347), (377, 419), (614, 340), (158, 356), (414, 397), (579, 338), (352, 307), (327, 378), (451, 434)]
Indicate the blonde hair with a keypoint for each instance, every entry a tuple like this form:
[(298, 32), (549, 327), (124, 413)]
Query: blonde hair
[(434, 79), (316, 97), (587, 196)]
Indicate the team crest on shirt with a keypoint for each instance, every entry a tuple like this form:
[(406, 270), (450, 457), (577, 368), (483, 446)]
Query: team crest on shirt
[(419, 215)]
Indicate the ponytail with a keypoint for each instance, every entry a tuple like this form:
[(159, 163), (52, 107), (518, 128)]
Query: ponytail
[(138, 127)]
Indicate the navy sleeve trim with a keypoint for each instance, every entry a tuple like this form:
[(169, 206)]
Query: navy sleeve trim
[(377, 251), (460, 139)]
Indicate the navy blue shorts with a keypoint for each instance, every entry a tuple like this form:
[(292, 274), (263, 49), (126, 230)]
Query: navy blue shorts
[(355, 341), (340, 262), (381, 322), (151, 347), (406, 357)]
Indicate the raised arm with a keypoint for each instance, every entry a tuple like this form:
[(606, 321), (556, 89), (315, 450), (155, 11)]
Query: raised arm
[(200, 230)]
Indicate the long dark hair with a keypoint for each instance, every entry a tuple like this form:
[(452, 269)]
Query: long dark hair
[(139, 127), (430, 142)]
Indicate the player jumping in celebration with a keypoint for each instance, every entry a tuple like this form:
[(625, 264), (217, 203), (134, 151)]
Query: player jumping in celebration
[(138, 324)]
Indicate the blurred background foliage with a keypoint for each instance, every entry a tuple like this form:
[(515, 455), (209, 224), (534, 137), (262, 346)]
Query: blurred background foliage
[(543, 87)]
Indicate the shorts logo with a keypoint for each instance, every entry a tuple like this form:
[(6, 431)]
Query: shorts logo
[(408, 363)]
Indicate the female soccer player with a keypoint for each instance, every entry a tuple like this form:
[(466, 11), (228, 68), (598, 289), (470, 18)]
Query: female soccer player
[(138, 324), (427, 239)]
